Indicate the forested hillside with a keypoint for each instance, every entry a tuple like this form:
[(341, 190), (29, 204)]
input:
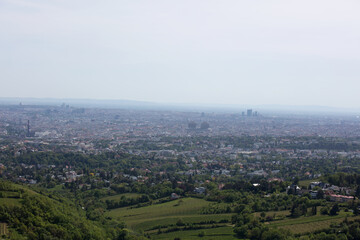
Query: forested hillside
[(36, 215)]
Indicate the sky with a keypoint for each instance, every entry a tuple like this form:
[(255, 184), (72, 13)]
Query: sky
[(190, 51)]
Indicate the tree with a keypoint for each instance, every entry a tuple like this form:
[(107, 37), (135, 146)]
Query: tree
[(320, 194), (274, 234), (334, 210), (314, 210), (324, 210), (242, 231), (295, 211), (356, 209), (357, 191), (296, 180), (303, 209)]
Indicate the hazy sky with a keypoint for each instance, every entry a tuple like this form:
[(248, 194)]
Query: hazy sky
[(188, 51)]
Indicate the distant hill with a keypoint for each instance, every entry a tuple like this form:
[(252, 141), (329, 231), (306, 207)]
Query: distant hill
[(132, 104)]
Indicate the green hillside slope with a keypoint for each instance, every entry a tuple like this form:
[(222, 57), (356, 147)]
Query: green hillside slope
[(33, 215)]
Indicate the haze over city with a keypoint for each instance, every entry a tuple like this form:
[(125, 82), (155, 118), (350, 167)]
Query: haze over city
[(206, 52)]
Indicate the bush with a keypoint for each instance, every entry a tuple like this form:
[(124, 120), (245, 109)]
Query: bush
[(324, 211), (223, 221), (180, 222)]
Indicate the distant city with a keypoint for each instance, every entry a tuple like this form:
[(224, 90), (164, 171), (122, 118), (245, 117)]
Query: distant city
[(114, 162)]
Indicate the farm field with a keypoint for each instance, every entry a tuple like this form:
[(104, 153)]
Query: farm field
[(168, 213), (10, 201), (221, 233), (164, 216), (119, 196), (3, 229), (310, 224), (272, 213)]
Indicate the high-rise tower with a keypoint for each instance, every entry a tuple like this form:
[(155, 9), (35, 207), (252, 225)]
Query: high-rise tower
[(249, 112)]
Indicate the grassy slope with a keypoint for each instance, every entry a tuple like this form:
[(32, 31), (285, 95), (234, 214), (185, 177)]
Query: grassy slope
[(10, 201), (187, 209), (299, 225), (309, 224), (65, 206), (118, 196), (166, 213), (11, 198)]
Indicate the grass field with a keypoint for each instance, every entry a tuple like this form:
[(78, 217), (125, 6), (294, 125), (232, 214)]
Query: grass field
[(306, 183), (118, 196)]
